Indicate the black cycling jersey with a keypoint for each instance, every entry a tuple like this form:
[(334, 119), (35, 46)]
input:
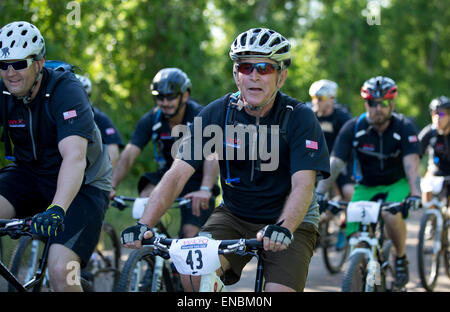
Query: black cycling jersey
[(438, 148), (36, 130), (110, 134), (259, 195), (333, 123), (380, 155), (160, 132)]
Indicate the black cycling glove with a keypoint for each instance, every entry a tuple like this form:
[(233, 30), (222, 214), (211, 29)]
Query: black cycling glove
[(277, 233), (134, 233)]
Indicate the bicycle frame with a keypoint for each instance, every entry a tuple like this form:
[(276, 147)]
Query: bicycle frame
[(373, 252), (213, 283), (36, 281)]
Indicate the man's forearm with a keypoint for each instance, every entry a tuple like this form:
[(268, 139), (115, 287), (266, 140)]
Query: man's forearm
[(124, 164), (299, 199), (411, 166), (70, 178), (210, 171), (166, 192), (336, 166)]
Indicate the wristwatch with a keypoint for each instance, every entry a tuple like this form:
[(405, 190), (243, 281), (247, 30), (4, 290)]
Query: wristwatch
[(205, 188)]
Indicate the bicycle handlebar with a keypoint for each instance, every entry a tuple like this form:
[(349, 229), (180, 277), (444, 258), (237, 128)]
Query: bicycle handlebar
[(226, 246), (120, 201), (392, 207), (15, 227)]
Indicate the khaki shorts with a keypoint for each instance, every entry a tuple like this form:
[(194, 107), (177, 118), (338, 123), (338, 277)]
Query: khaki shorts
[(288, 267)]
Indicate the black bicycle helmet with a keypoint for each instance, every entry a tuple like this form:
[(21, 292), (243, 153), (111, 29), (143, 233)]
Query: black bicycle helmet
[(170, 81), (440, 102), (383, 88)]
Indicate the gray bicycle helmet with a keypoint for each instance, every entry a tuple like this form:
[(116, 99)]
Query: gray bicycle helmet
[(323, 87), (440, 102), (19, 40), (170, 80), (86, 82), (261, 42)]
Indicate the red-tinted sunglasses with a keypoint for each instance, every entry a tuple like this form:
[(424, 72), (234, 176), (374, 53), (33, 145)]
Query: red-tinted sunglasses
[(261, 68)]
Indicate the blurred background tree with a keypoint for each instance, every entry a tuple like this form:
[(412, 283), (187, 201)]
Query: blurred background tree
[(121, 45)]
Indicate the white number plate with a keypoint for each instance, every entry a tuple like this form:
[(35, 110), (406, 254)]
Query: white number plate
[(365, 212), (432, 184), (195, 256), (139, 207)]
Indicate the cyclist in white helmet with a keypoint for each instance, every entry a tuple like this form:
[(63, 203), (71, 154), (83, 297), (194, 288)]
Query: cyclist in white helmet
[(270, 199), (332, 116), (57, 177), (109, 131)]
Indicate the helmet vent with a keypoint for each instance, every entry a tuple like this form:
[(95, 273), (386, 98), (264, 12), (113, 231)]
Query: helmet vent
[(35, 38), (24, 32), (243, 39), (12, 44), (9, 33), (275, 42), (264, 39)]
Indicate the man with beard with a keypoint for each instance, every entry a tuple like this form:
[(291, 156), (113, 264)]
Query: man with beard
[(171, 89), (386, 153)]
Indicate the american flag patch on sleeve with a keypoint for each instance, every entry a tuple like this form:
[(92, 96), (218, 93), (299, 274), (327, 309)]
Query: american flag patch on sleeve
[(412, 138), (70, 114), (312, 144), (110, 131)]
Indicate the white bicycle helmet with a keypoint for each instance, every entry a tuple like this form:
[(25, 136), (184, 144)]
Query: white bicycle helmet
[(261, 42), (19, 40), (86, 82), (323, 87)]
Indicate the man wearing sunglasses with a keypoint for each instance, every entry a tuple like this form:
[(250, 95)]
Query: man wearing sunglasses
[(435, 140), (277, 205), (61, 173), (384, 149), (171, 89)]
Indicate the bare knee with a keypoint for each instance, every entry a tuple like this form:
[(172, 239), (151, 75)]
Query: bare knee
[(64, 269), (6, 209), (148, 189), (190, 230)]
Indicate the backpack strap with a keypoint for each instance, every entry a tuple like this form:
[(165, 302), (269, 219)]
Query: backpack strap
[(357, 175), (230, 114), (7, 97), (159, 158)]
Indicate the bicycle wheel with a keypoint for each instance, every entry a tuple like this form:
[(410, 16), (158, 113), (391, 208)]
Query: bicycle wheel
[(333, 257), (103, 267), (25, 261), (427, 256), (355, 277), (137, 273), (386, 270)]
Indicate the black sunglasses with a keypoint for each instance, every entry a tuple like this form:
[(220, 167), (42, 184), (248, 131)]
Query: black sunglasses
[(261, 68), (169, 97), (383, 103), (17, 65)]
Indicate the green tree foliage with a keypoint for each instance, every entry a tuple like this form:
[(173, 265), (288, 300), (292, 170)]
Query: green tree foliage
[(121, 45)]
